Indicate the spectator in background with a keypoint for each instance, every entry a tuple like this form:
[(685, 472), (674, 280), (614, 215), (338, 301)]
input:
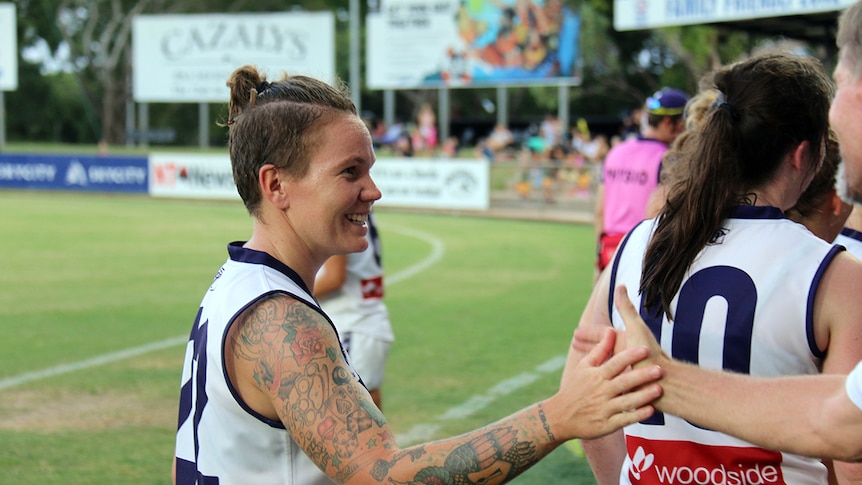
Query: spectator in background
[(551, 130), (424, 137), (403, 145), (695, 110), (632, 124), (268, 395), (450, 147), (631, 172), (499, 141), (350, 290)]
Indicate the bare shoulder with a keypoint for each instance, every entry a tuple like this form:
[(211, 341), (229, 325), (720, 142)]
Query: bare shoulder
[(596, 311), (843, 276)]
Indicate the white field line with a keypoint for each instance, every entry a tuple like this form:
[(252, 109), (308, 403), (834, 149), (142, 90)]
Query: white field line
[(91, 362), (424, 432), (437, 251)]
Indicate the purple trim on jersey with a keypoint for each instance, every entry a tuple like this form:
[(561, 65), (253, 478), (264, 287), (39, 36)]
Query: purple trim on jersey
[(809, 315), (614, 267), (756, 212), (237, 252), (233, 391), (852, 234), (271, 422)]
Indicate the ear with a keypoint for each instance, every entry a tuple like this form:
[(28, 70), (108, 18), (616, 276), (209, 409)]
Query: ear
[(798, 156), (836, 205), (273, 186)]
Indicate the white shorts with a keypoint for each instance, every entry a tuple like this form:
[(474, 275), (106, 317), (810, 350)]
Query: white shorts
[(367, 356)]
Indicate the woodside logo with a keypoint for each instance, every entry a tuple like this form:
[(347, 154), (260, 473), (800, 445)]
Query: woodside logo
[(662, 462)]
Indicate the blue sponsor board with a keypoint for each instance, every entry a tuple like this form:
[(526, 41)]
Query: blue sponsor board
[(88, 173)]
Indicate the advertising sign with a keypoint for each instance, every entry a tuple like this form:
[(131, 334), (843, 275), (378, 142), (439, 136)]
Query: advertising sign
[(74, 172), (432, 43), (8, 48), (191, 176), (433, 184), (188, 58), (404, 182), (647, 14)]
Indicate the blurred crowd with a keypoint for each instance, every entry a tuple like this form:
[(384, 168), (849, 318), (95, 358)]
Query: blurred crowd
[(549, 159)]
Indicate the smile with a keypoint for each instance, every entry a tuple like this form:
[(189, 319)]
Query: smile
[(358, 219)]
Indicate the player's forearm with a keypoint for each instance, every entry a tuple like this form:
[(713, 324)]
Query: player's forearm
[(495, 453), (606, 456), (776, 413)]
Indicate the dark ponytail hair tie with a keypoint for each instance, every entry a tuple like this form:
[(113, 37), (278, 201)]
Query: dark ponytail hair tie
[(721, 103)]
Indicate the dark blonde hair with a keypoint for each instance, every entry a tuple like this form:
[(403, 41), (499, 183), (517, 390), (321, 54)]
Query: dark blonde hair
[(849, 37), (695, 111), (277, 123), (767, 105)]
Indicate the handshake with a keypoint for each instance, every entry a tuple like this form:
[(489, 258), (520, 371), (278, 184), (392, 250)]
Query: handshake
[(828, 422)]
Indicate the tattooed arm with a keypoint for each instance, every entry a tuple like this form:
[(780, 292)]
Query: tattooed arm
[(284, 359)]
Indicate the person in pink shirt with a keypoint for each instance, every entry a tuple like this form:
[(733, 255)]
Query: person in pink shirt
[(631, 171)]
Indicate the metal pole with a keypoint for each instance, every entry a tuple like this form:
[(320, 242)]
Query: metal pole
[(563, 109), (355, 86), (502, 106), (130, 122), (443, 115), (2, 121), (389, 107), (204, 125), (143, 125)]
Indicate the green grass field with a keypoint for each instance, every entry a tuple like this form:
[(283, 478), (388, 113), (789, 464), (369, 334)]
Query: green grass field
[(90, 275)]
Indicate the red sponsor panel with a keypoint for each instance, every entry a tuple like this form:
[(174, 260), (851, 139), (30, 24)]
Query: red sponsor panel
[(664, 462), (166, 174), (372, 288)]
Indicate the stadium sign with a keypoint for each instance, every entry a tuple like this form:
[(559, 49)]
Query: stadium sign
[(647, 14), (435, 43), (8, 48), (188, 58), (432, 183), (83, 173), (191, 176)]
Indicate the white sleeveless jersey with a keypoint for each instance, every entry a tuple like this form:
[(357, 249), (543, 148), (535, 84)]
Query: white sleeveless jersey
[(745, 305), (358, 305), (853, 385), (220, 440), (852, 240)]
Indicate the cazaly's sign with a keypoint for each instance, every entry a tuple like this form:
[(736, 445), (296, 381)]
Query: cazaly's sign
[(188, 58), (8, 48)]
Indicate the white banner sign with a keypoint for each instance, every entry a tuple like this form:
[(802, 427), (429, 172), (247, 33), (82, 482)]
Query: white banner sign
[(8, 48), (404, 182), (188, 58), (191, 176), (433, 184), (647, 14)]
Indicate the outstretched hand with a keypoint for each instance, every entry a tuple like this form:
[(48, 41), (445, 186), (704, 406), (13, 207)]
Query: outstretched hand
[(599, 396)]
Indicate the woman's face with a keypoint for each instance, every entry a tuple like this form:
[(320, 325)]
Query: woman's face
[(329, 206)]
